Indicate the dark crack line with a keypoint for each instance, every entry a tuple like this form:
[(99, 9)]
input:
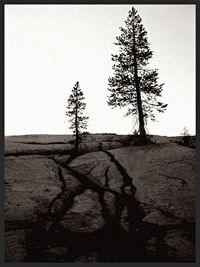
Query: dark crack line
[(61, 178), (37, 240), (139, 232), (127, 179), (43, 144), (56, 152), (135, 214), (72, 154), (109, 219), (82, 178), (112, 224), (95, 164), (87, 183), (36, 156), (66, 196), (106, 176), (178, 160), (173, 177)]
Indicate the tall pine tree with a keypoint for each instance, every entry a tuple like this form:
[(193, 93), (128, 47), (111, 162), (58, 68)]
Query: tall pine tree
[(75, 108), (134, 84)]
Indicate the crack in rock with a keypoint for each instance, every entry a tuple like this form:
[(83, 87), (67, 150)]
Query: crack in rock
[(64, 201), (38, 143), (127, 179), (37, 239), (112, 221), (107, 179), (126, 234), (135, 214), (172, 177)]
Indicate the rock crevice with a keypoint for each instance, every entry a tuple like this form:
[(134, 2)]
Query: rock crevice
[(121, 205)]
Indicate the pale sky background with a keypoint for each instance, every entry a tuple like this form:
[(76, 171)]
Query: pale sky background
[(50, 47)]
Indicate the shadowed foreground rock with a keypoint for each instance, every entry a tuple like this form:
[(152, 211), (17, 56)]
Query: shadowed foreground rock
[(128, 204)]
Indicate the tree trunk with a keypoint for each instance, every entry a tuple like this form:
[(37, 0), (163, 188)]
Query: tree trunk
[(139, 102), (76, 130)]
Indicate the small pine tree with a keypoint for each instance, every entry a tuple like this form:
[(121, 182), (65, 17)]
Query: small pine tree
[(133, 84), (185, 132), (186, 136), (75, 108)]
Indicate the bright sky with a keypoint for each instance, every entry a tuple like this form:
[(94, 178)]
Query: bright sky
[(50, 47)]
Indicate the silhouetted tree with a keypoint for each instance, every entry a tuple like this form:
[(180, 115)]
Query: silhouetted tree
[(133, 84), (75, 110), (185, 132), (186, 136)]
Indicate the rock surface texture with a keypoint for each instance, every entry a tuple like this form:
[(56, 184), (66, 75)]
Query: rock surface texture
[(121, 204)]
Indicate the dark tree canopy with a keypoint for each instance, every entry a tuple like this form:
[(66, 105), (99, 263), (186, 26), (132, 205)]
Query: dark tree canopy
[(75, 108), (134, 84)]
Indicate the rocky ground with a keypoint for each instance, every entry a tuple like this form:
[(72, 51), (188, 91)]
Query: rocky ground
[(125, 203)]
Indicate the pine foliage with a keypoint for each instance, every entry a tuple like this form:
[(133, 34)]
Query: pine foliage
[(75, 107), (132, 61)]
